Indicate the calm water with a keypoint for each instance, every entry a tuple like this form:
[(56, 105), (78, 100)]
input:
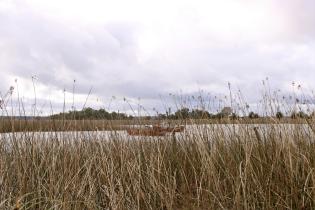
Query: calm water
[(191, 131)]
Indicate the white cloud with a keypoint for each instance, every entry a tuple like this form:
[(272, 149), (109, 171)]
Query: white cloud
[(145, 48)]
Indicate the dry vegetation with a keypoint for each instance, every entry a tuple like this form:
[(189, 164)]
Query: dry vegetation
[(207, 167), (48, 125), (227, 164)]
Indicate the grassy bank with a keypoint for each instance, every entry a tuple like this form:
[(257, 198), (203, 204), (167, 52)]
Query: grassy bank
[(21, 125), (214, 167)]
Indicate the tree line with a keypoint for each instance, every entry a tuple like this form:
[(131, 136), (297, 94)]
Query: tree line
[(182, 113), (90, 113)]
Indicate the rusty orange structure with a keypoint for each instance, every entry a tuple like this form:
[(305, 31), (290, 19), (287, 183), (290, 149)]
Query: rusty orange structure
[(154, 131)]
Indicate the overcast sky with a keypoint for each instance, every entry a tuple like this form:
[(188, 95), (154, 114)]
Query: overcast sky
[(147, 49)]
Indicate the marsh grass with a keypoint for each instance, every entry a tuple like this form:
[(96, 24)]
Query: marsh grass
[(212, 165), (206, 167), (8, 125)]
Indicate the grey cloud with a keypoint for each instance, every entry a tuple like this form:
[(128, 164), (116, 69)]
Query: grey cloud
[(43, 48), (105, 57), (301, 16)]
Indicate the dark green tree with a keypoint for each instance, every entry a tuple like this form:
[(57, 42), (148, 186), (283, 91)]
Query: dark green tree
[(253, 115), (279, 115)]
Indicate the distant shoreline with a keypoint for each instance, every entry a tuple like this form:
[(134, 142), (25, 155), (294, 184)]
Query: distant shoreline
[(12, 124)]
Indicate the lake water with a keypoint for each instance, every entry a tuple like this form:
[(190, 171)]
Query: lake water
[(227, 131)]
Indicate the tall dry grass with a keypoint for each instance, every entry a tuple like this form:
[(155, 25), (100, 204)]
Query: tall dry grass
[(207, 167), (213, 166)]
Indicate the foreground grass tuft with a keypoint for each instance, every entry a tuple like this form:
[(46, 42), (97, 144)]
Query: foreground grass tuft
[(207, 167)]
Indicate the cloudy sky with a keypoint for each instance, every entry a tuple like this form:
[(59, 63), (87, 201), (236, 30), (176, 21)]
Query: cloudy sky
[(144, 49)]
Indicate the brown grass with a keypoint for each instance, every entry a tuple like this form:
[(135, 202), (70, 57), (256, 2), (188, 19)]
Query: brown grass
[(207, 167), (264, 163), (48, 125)]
